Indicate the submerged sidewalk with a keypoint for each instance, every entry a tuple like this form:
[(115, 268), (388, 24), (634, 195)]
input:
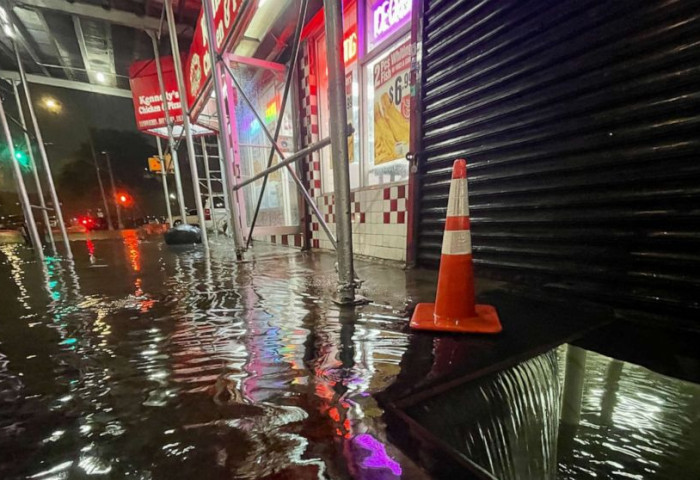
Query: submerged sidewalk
[(147, 361)]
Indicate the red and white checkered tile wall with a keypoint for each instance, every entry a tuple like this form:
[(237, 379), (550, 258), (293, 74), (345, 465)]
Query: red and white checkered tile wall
[(379, 221), (378, 213)]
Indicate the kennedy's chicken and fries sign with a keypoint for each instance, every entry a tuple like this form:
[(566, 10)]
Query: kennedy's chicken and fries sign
[(231, 18)]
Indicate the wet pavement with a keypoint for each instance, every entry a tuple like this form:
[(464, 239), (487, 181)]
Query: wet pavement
[(145, 361)]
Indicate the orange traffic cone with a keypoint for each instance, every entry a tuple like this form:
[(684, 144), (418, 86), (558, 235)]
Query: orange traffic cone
[(455, 308)]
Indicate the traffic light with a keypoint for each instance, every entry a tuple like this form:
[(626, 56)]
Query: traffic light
[(22, 158), (124, 199)]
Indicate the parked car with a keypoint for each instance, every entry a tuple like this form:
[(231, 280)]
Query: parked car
[(220, 214)]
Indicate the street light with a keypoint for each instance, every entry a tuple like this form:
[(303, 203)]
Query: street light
[(51, 104)]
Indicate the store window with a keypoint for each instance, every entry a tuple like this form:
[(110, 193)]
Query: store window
[(352, 92), (388, 112), (279, 206)]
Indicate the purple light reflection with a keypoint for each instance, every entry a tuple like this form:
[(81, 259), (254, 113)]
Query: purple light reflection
[(378, 457)]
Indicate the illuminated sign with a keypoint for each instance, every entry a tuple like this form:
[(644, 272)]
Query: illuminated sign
[(388, 16), (350, 47)]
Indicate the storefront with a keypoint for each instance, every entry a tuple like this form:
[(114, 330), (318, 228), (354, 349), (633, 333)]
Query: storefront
[(377, 53)]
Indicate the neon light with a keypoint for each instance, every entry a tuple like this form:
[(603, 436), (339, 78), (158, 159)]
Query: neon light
[(350, 47), (388, 16), (271, 111)]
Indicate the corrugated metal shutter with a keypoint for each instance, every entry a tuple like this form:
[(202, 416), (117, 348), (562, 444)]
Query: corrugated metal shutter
[(580, 121)]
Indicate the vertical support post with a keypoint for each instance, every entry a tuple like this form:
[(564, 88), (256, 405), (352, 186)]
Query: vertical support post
[(224, 183), (120, 224), (231, 99), (339, 148), (42, 152), (35, 169), (164, 172), (223, 128), (212, 210), (99, 181), (177, 65), (21, 190), (171, 138)]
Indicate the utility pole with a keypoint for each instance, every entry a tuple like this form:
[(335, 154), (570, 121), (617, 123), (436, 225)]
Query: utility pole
[(99, 181), (120, 224)]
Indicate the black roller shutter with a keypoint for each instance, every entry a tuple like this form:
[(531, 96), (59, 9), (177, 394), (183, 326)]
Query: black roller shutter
[(580, 121)]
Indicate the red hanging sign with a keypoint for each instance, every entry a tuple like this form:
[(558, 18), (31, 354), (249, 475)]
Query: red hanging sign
[(146, 94), (231, 17)]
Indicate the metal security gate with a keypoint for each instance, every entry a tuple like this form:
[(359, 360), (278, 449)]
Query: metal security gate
[(580, 121)]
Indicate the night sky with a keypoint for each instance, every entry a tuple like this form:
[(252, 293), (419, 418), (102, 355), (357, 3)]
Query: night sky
[(66, 131)]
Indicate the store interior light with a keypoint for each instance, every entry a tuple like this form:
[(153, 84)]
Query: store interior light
[(101, 77)]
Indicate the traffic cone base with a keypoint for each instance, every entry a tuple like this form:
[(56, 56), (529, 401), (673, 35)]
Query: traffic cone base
[(485, 321)]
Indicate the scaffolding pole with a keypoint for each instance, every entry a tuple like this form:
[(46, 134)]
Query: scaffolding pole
[(228, 172), (339, 148), (164, 172), (21, 190), (212, 210), (34, 168), (224, 184), (273, 140), (171, 138), (42, 152), (177, 66)]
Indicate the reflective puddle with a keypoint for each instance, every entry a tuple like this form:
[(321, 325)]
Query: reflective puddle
[(145, 361), (572, 414)]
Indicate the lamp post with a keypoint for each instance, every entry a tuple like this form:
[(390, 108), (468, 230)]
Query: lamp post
[(120, 224)]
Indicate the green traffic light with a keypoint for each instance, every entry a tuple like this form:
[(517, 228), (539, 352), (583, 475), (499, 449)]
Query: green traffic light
[(22, 158)]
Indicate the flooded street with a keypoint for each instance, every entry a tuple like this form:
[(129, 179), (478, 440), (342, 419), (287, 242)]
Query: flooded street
[(145, 361), (151, 362)]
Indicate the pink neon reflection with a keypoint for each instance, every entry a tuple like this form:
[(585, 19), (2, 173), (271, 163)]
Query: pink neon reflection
[(378, 457)]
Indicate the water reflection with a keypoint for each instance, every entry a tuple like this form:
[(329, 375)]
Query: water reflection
[(566, 414), (167, 364)]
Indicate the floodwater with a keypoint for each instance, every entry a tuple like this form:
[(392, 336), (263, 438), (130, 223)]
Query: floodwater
[(151, 362), (146, 361), (572, 414)]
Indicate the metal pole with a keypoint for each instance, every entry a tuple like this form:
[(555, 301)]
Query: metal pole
[(35, 170), (223, 129), (285, 95), (177, 65), (212, 213), (21, 190), (120, 224), (287, 161), (339, 147), (224, 184), (284, 163), (99, 181), (164, 171), (42, 151), (171, 138)]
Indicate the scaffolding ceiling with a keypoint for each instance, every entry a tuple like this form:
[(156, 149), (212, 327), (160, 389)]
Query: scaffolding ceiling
[(89, 44)]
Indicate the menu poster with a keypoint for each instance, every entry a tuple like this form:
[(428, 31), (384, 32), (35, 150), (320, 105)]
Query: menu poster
[(392, 105), (349, 109)]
